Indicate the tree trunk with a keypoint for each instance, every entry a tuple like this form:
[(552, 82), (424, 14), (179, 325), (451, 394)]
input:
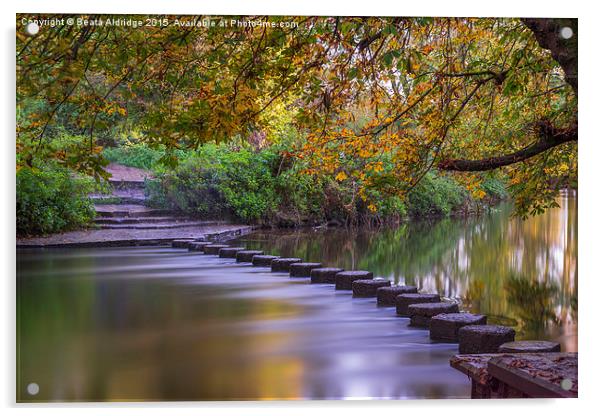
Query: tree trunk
[(548, 34)]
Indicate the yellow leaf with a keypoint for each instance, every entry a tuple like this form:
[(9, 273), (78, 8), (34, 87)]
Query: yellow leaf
[(341, 176)]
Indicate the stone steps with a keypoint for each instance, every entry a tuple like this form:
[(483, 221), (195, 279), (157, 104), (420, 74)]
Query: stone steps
[(123, 200), (425, 310), (129, 210), (140, 217), (442, 318), (126, 184), (125, 209), (130, 193), (133, 192), (121, 220), (174, 223), (131, 214)]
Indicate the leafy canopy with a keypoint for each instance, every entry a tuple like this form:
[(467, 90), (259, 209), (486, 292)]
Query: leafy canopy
[(381, 101)]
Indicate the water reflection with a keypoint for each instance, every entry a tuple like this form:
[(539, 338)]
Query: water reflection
[(533, 302), (487, 263), (163, 324)]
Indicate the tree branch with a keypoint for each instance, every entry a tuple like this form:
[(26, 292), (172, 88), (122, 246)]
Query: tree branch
[(564, 51), (550, 137)]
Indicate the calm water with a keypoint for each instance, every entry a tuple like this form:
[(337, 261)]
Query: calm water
[(165, 324), (519, 273)]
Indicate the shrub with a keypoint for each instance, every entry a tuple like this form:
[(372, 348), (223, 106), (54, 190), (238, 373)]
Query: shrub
[(435, 196), (51, 200), (381, 207), (495, 188), (219, 181), (391, 207), (302, 197), (136, 155)]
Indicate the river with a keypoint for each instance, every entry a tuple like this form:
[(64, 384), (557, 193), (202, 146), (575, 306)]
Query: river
[(156, 323)]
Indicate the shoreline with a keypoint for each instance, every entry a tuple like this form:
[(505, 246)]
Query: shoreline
[(129, 238)]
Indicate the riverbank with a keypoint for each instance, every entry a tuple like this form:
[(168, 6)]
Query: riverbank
[(269, 187), (123, 217), (225, 184), (134, 237)]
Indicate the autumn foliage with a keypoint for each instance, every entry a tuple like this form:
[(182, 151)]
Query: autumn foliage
[(379, 102)]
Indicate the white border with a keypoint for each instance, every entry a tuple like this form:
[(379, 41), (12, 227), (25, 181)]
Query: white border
[(590, 153)]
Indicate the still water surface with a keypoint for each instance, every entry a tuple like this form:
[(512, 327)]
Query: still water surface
[(157, 323), (519, 273)]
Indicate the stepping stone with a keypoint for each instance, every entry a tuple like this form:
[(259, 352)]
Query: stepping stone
[(402, 302), (367, 288), (303, 269), (482, 339), (444, 327), (529, 346), (214, 248), (421, 313), (324, 274), (246, 256), (197, 245), (343, 280), (230, 252), (385, 296), (283, 264), (263, 260), (182, 243)]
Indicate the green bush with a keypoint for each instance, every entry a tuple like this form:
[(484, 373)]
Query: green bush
[(220, 181), (495, 188), (224, 181), (302, 197), (136, 155), (391, 207), (435, 196), (51, 200)]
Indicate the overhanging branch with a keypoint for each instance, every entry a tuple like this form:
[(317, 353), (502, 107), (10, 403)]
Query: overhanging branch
[(549, 138)]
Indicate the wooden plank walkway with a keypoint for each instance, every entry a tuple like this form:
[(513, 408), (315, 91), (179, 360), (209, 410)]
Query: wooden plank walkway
[(541, 375)]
